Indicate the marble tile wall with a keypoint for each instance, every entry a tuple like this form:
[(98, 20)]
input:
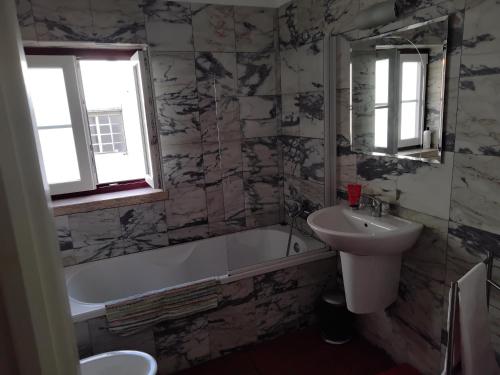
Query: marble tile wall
[(461, 214), (250, 310), (215, 79)]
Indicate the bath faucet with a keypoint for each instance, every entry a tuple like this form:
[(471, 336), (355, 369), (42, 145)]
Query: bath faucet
[(375, 205)]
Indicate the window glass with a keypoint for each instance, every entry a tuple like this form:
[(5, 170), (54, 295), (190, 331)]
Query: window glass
[(381, 102), (409, 120), (111, 100), (410, 84), (382, 81), (381, 119), (53, 121)]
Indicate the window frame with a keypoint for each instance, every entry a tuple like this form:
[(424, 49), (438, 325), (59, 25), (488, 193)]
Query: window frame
[(421, 58), (69, 66), (146, 110)]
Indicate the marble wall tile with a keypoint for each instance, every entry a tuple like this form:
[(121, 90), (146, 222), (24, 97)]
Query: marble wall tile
[(95, 234), (290, 65), (182, 165), (221, 160), (481, 33), (292, 150), (417, 179), (276, 282), (478, 115), (313, 165), (262, 198), (26, 19), (62, 20), (169, 25), (256, 73), (216, 73), (378, 176), (143, 226), (290, 115), (215, 203), (188, 234), (260, 155), (468, 246), (182, 343), (258, 116), (104, 341), (289, 35), (118, 21), (186, 207), (475, 191), (311, 22), (254, 28), (276, 315), (346, 170), (234, 202), (232, 326), (213, 27), (340, 15), (428, 256), (311, 67), (174, 82), (312, 195), (219, 118), (63, 232), (311, 111), (83, 342), (316, 273)]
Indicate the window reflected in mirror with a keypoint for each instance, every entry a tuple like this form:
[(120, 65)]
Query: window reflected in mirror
[(397, 85)]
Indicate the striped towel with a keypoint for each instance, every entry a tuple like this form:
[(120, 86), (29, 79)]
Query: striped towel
[(131, 315)]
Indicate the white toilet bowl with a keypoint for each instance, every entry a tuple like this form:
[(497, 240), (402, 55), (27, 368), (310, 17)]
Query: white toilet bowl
[(123, 362)]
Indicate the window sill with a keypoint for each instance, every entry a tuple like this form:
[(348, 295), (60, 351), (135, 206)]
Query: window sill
[(108, 200)]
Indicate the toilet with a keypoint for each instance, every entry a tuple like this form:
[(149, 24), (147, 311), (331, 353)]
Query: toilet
[(122, 362)]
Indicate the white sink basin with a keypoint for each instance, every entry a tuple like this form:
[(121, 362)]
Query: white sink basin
[(370, 251), (357, 232), (122, 362)]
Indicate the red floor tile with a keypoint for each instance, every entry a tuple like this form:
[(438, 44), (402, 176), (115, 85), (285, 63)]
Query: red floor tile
[(301, 353)]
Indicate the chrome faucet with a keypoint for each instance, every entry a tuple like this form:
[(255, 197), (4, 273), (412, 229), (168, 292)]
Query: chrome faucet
[(375, 204)]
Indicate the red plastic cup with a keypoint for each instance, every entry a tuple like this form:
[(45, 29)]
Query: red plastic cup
[(354, 194)]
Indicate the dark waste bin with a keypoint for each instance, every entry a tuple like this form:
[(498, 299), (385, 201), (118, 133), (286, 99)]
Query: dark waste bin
[(336, 322)]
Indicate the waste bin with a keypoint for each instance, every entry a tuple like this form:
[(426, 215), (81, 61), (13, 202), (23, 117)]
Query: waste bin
[(336, 322)]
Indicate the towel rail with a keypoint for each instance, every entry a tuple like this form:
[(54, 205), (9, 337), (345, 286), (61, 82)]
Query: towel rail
[(449, 370)]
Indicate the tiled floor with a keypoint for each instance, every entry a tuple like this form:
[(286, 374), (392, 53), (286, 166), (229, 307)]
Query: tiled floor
[(300, 353)]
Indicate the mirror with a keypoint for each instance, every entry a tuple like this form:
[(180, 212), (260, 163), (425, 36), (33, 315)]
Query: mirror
[(397, 90)]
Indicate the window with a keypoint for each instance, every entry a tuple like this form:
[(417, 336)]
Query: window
[(412, 69), (381, 102), (106, 131), (91, 120), (407, 103)]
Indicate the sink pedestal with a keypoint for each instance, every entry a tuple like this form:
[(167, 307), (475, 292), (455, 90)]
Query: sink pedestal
[(370, 282)]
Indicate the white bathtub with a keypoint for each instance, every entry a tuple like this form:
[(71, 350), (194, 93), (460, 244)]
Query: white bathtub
[(228, 258)]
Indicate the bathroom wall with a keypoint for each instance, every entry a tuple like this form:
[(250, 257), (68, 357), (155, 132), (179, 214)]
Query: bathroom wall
[(251, 310), (190, 45), (457, 201)]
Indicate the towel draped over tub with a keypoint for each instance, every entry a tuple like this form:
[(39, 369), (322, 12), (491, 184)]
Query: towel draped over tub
[(128, 316)]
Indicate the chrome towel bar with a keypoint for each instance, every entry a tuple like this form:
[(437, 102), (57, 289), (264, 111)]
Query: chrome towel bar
[(449, 370)]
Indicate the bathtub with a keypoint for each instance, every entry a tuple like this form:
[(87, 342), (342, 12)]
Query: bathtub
[(226, 258)]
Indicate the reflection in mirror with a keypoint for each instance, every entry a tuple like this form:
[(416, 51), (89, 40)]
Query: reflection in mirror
[(397, 86)]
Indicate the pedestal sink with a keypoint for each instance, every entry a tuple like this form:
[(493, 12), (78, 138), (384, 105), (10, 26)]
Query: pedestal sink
[(370, 251)]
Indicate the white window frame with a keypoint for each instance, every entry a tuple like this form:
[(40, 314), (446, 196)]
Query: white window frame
[(69, 66), (80, 126), (422, 79), (146, 112)]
